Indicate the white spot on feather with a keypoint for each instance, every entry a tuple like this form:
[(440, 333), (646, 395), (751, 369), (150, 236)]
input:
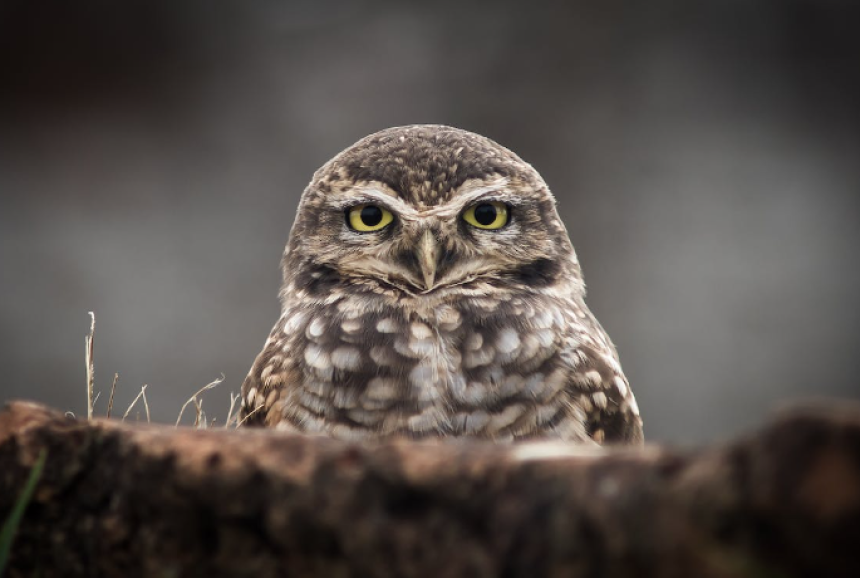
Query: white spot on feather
[(506, 417), (383, 356), (316, 357), (476, 421), (316, 328), (294, 322), (381, 388), (622, 387), (477, 358), (387, 325), (423, 375), (475, 341), (422, 347), (545, 337), (448, 318), (508, 340), (634, 407), (421, 331), (346, 358), (351, 325)]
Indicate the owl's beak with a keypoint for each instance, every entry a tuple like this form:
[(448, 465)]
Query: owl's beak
[(427, 253)]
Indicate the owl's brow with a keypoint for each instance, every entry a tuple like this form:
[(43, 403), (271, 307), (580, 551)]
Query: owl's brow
[(371, 194), (466, 197), (470, 196)]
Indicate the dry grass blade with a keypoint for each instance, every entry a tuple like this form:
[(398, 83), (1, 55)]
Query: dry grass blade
[(250, 413), (90, 340), (112, 391), (145, 405), (233, 398), (198, 405), (193, 398)]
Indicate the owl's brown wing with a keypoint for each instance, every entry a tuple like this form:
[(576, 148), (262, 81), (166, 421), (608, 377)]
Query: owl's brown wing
[(267, 382), (603, 393)]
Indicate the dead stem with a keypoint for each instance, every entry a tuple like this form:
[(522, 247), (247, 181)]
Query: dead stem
[(252, 412), (90, 340), (198, 405), (233, 398), (112, 391), (146, 405), (193, 398)]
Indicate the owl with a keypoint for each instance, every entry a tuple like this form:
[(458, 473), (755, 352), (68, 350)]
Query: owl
[(430, 289)]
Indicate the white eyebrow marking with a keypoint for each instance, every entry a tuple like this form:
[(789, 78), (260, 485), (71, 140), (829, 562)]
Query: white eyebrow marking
[(371, 194), (378, 193), (468, 197)]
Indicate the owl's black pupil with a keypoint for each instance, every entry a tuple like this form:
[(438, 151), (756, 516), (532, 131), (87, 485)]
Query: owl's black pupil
[(485, 214), (371, 216)]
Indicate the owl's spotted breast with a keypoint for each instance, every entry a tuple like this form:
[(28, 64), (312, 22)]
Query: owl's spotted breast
[(430, 289), (501, 367)]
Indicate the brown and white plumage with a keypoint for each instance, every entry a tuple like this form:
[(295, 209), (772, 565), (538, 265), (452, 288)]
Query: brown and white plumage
[(431, 326)]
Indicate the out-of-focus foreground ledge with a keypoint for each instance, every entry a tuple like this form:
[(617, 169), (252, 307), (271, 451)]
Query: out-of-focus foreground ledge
[(144, 500)]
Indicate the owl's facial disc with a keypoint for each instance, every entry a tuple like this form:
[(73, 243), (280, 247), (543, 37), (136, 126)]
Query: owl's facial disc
[(488, 230)]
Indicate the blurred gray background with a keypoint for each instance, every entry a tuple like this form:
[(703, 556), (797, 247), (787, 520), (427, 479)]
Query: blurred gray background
[(705, 156)]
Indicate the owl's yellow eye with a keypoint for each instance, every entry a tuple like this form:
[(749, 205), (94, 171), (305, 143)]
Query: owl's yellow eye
[(487, 215), (368, 218)]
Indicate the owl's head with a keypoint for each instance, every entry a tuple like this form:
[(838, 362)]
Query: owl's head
[(426, 209)]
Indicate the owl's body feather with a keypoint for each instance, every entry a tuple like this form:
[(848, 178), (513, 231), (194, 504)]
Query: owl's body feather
[(428, 325)]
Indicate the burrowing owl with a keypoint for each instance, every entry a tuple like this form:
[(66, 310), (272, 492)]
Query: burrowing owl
[(430, 289)]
